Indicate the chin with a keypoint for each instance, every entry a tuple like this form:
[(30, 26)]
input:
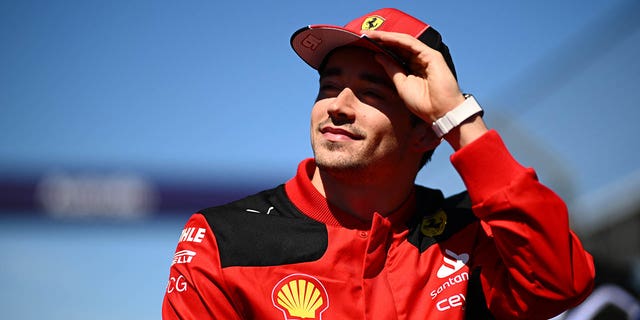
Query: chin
[(339, 162), (339, 157)]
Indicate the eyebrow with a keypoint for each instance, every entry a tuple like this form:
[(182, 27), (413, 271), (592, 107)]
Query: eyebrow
[(383, 81)]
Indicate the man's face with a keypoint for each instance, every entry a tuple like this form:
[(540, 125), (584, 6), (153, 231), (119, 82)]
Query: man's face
[(358, 120)]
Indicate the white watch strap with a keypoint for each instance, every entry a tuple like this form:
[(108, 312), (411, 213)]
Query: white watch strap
[(455, 117)]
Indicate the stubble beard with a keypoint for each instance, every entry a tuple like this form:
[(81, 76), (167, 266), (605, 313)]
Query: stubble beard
[(343, 163), (335, 157), (338, 157)]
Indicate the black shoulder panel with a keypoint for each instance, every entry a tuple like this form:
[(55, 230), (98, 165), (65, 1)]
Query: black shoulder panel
[(459, 214), (265, 229), (437, 218)]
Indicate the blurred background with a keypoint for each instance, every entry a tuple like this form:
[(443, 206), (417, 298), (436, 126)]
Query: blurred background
[(119, 119)]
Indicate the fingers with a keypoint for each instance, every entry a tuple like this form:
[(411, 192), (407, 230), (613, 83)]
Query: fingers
[(420, 59), (408, 46), (427, 86)]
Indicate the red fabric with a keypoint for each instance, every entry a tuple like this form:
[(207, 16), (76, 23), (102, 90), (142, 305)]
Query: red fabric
[(533, 266)]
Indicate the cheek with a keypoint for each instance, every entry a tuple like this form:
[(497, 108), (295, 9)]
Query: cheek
[(319, 111), (401, 120), (383, 121), (316, 114)]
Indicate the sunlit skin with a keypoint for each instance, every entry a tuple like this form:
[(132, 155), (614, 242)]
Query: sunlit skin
[(366, 148), (361, 132), (358, 121)]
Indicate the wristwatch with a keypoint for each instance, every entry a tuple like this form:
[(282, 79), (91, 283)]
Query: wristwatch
[(457, 116)]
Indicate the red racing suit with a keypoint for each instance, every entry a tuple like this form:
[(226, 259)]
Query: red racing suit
[(503, 250)]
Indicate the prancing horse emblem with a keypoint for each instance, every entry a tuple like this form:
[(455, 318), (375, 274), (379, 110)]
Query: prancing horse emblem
[(372, 23), (433, 225)]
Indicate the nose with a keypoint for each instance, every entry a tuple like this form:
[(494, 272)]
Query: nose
[(342, 108)]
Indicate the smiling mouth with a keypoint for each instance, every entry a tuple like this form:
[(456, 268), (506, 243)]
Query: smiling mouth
[(339, 134)]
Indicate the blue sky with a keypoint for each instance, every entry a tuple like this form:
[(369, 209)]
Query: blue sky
[(212, 91), (203, 90)]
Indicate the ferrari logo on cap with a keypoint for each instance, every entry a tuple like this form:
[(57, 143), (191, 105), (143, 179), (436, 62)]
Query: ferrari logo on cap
[(372, 23), (433, 225)]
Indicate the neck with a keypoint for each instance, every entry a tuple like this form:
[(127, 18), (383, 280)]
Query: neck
[(362, 195)]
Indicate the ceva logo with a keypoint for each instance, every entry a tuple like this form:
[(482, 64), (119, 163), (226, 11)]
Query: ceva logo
[(452, 263)]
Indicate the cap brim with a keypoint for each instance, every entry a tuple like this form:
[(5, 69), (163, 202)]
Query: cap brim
[(313, 43)]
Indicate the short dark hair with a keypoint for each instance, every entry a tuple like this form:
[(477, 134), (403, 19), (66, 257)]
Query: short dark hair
[(426, 157)]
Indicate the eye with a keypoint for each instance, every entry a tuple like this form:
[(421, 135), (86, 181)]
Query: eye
[(375, 94), (328, 87), (328, 90)]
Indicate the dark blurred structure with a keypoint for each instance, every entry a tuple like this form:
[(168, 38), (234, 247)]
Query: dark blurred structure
[(112, 194)]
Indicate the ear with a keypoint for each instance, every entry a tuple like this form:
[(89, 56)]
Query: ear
[(424, 139)]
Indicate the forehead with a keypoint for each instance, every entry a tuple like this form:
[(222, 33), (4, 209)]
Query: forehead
[(355, 63)]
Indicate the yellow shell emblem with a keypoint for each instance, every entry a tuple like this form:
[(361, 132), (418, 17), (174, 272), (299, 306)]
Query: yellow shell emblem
[(300, 296), (372, 23), (434, 224)]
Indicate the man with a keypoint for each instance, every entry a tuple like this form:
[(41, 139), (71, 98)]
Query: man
[(352, 237)]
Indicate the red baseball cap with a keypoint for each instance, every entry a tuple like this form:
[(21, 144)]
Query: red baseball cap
[(314, 42)]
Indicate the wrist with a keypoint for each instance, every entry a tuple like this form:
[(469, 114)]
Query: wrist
[(467, 132), (466, 110)]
